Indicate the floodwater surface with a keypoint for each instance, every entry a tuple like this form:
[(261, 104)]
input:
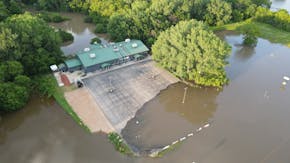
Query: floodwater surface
[(82, 32), (249, 117), (43, 133), (281, 4)]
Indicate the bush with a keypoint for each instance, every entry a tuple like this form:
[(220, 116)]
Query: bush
[(96, 39), (279, 19), (101, 28), (119, 144), (65, 36)]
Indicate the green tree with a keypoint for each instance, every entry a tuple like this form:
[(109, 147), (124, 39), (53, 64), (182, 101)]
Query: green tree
[(250, 35), (218, 12), (39, 44), (12, 96), (11, 70), (192, 52), (4, 13), (121, 27), (8, 44)]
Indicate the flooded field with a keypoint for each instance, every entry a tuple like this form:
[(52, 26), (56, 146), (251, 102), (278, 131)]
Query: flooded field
[(249, 117)]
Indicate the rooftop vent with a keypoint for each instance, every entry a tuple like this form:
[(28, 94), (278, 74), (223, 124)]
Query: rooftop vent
[(127, 40), (134, 45), (87, 49), (116, 49), (92, 55), (120, 45)]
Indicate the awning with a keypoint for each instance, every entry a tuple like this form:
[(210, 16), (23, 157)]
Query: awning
[(105, 65), (138, 56)]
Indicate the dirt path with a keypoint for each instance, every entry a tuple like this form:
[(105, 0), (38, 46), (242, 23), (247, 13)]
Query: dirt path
[(87, 109)]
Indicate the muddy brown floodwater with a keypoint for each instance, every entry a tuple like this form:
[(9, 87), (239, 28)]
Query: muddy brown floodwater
[(82, 32), (249, 119)]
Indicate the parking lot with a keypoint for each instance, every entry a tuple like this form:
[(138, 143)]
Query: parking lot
[(121, 92)]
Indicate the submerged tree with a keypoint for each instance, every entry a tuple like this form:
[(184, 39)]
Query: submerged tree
[(250, 35), (192, 52)]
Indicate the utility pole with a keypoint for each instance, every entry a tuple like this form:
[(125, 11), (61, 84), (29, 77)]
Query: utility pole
[(184, 95)]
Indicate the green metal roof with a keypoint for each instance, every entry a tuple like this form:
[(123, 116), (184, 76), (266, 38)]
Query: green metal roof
[(71, 63), (98, 54)]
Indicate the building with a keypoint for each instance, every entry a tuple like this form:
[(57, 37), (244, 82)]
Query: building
[(99, 56)]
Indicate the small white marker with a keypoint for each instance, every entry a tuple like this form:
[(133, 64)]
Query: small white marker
[(199, 129), (166, 147), (207, 125), (286, 78), (191, 134), (174, 142), (284, 83), (181, 139)]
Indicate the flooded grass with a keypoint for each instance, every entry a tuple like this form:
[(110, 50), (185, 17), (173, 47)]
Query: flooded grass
[(58, 95), (266, 31), (119, 144)]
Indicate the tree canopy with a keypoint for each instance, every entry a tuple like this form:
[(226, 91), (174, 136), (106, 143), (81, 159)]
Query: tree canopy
[(192, 52), (28, 46)]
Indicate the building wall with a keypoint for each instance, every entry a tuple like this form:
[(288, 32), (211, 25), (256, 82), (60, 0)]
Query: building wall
[(74, 69)]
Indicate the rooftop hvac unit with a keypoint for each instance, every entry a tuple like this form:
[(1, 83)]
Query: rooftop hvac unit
[(127, 40), (134, 45), (87, 49), (92, 55), (120, 45)]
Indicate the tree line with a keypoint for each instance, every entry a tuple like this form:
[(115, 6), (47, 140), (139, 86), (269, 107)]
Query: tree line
[(28, 47)]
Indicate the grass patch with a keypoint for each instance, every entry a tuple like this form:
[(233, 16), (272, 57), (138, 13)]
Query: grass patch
[(266, 31), (47, 86), (171, 148), (119, 143)]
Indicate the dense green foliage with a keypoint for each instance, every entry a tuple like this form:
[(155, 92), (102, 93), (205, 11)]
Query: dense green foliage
[(37, 45), (14, 86), (279, 19), (96, 40), (119, 144), (49, 5), (192, 52), (218, 12), (250, 35), (27, 47), (65, 36)]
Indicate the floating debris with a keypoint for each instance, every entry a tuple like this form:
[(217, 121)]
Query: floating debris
[(137, 122), (286, 78), (284, 83), (207, 125), (174, 142), (199, 129), (189, 135), (181, 139)]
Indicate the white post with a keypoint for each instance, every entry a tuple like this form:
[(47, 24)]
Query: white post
[(184, 95)]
